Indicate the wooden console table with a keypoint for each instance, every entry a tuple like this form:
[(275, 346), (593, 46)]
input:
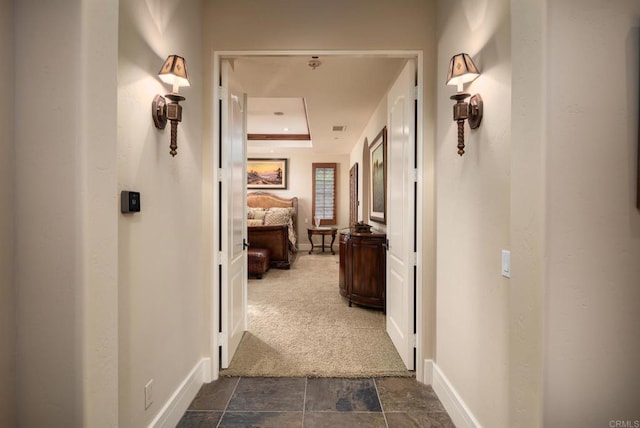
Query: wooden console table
[(362, 277), (322, 231)]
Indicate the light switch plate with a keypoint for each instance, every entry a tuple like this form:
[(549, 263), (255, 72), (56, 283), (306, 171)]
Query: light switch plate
[(148, 394), (506, 263)]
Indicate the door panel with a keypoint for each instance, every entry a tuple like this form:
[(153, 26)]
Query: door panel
[(401, 219), (233, 215)]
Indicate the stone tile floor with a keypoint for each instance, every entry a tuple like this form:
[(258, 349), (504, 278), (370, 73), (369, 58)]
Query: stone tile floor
[(315, 402)]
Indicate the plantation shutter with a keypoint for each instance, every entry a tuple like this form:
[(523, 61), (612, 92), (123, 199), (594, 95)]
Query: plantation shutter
[(324, 192)]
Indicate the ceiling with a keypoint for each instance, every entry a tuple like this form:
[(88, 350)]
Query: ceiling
[(343, 91)]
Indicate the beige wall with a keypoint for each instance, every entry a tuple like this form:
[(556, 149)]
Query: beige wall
[(161, 294), (575, 229), (528, 212), (593, 226), (359, 154), (7, 232), (66, 254), (334, 24), (472, 195)]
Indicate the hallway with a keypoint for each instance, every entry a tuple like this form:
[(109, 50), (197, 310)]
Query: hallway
[(315, 402), (97, 306)]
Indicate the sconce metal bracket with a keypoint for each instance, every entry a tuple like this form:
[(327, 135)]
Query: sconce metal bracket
[(475, 111), (159, 111)]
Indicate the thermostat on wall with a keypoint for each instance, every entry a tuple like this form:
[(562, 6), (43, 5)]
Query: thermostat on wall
[(129, 201)]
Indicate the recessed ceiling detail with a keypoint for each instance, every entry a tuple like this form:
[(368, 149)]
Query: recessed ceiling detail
[(276, 120), (344, 91)]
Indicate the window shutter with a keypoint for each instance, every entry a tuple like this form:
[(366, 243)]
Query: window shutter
[(324, 192)]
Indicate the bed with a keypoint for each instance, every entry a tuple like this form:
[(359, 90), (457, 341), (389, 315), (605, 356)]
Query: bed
[(272, 224)]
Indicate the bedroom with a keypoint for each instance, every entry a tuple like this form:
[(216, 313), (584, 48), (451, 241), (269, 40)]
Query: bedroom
[(343, 149), (341, 106)]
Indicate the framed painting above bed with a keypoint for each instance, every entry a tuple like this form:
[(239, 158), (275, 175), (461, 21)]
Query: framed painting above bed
[(378, 178), (265, 173)]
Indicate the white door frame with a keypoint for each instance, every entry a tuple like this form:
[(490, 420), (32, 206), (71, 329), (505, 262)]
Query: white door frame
[(214, 286)]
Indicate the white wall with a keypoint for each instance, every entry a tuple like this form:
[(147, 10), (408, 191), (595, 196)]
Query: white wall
[(472, 211), (7, 232), (161, 293), (335, 24), (66, 254), (593, 226)]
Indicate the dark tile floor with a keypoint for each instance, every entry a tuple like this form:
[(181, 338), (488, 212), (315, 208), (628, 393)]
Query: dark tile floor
[(315, 402)]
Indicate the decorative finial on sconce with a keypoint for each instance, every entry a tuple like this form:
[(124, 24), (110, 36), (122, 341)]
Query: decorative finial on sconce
[(173, 72), (463, 70)]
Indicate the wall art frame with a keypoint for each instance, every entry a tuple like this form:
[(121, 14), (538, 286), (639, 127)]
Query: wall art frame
[(378, 178), (267, 173)]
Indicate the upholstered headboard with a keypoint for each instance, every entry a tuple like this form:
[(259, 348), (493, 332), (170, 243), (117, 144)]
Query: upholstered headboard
[(268, 200)]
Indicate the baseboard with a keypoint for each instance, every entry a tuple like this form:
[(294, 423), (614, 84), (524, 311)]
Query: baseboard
[(427, 372), (174, 408), (304, 247), (452, 402)]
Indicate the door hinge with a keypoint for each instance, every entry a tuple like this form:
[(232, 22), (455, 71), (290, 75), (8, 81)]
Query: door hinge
[(415, 92), (221, 259), (222, 91), (414, 340), (220, 175), (413, 175), (220, 338), (414, 259)]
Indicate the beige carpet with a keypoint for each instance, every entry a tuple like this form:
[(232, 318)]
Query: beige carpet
[(299, 325)]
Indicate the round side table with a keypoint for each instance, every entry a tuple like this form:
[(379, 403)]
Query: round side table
[(322, 231)]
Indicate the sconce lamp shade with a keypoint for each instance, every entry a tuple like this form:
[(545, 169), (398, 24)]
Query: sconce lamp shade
[(174, 72), (461, 70)]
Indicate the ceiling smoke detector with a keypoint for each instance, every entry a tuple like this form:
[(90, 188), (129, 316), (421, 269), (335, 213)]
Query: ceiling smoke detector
[(314, 62)]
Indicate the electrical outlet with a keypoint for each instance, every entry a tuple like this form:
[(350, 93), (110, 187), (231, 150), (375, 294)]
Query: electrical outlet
[(148, 394)]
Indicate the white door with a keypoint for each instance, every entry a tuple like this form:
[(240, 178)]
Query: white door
[(232, 178), (401, 219)]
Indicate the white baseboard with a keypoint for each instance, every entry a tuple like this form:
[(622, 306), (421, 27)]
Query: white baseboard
[(452, 402), (427, 372), (174, 408)]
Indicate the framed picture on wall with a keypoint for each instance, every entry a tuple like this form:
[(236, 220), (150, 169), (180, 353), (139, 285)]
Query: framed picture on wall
[(378, 178), (266, 173)]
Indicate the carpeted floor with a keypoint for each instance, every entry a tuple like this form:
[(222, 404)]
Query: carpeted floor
[(299, 325)]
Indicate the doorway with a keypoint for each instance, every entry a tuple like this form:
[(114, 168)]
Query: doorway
[(218, 285)]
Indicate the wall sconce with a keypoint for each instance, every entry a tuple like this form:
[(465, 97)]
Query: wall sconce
[(462, 70), (173, 72)]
